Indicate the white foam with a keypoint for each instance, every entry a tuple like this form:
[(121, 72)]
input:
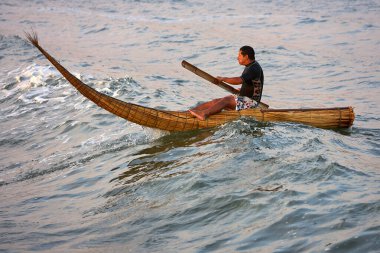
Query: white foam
[(35, 76)]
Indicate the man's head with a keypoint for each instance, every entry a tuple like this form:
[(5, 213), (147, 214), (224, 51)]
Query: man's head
[(246, 55)]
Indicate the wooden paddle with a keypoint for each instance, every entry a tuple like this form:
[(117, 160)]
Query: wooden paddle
[(215, 81)]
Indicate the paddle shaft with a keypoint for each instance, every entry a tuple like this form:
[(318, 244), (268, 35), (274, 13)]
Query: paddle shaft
[(209, 77), (214, 80)]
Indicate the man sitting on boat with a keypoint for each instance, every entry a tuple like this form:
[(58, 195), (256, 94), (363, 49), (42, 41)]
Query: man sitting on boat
[(251, 80)]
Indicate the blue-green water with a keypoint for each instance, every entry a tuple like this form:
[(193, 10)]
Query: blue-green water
[(74, 178)]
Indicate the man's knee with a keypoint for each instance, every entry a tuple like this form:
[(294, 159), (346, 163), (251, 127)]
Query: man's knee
[(228, 101), (232, 97)]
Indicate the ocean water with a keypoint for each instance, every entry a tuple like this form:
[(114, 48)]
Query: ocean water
[(74, 178)]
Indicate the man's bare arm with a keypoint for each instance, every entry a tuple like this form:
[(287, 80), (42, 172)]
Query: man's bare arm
[(230, 80)]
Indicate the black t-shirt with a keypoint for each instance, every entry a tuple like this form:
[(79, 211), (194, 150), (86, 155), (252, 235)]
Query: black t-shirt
[(253, 81)]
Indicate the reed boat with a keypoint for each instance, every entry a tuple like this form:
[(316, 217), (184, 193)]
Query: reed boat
[(337, 117)]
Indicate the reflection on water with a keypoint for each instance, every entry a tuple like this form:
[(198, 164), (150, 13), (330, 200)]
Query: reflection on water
[(176, 148)]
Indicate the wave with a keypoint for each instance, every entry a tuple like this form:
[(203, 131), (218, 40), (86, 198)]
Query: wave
[(53, 115)]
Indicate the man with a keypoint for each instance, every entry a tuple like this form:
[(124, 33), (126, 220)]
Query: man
[(251, 80)]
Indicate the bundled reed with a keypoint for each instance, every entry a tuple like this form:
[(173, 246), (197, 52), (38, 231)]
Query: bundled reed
[(339, 117), (342, 117)]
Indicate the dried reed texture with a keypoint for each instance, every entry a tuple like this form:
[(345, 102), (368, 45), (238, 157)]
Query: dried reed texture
[(338, 117), (183, 121)]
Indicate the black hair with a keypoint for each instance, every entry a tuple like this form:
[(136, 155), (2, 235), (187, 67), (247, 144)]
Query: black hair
[(247, 50)]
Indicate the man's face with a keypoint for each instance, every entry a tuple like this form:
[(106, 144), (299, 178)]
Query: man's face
[(243, 60)]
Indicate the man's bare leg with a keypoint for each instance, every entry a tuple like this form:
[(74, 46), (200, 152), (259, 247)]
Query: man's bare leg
[(198, 114), (206, 105), (224, 103)]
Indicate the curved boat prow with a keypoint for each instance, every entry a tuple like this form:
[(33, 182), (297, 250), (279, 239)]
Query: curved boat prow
[(132, 112)]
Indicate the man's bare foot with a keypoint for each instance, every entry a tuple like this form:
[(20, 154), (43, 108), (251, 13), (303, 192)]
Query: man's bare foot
[(198, 114)]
